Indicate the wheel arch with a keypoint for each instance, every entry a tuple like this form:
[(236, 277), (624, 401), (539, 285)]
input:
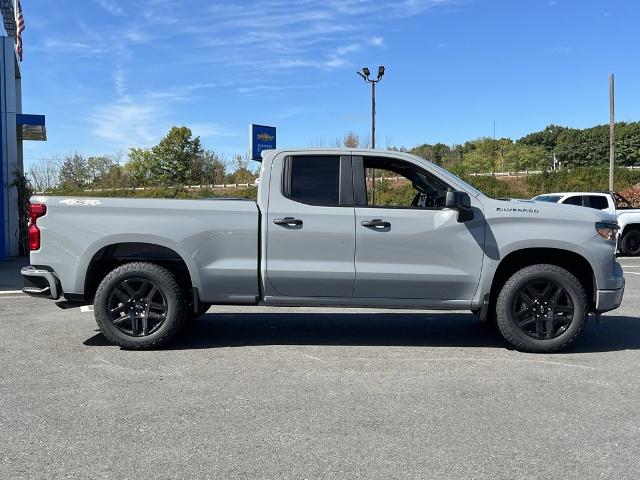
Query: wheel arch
[(571, 261), (628, 227), (112, 255)]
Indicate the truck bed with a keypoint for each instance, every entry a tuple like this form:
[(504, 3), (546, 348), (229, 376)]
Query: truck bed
[(216, 238)]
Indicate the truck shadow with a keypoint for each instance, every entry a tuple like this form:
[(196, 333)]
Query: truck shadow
[(377, 329)]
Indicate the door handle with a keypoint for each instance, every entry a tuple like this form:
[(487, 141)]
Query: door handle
[(289, 221), (376, 223)]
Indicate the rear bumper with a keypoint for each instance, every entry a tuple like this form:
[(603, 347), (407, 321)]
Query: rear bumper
[(41, 283), (607, 300)]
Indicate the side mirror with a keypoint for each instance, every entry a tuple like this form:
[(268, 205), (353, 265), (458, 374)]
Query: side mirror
[(461, 202)]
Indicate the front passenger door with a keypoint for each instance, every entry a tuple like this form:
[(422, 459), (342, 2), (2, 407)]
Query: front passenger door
[(408, 246)]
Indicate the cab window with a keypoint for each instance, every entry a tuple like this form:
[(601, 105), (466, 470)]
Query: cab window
[(598, 202), (575, 200), (314, 180), (392, 183)]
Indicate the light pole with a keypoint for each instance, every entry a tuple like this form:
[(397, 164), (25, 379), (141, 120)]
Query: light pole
[(365, 76)]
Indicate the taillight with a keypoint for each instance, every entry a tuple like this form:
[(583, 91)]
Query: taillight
[(36, 210), (607, 230)]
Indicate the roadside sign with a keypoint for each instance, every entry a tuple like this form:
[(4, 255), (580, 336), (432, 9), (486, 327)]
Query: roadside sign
[(261, 137)]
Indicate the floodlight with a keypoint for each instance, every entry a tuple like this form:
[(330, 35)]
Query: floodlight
[(380, 71), (366, 71)]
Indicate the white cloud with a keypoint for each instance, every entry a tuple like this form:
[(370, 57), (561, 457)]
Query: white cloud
[(124, 124), (119, 82), (415, 7), (321, 34), (111, 6), (70, 47), (205, 130)]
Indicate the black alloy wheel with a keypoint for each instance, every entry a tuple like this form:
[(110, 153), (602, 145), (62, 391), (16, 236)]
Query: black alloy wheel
[(543, 309), (630, 243), (137, 307)]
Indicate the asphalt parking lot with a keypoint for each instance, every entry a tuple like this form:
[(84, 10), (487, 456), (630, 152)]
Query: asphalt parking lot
[(317, 393)]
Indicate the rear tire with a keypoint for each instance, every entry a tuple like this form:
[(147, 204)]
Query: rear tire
[(541, 308), (630, 243), (139, 306)]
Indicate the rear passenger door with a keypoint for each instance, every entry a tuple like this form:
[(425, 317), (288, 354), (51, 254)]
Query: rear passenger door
[(310, 227)]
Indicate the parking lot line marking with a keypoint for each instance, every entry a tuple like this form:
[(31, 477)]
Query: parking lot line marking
[(10, 292), (86, 308), (633, 273)]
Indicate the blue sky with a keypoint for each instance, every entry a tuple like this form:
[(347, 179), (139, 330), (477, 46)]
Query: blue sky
[(112, 74)]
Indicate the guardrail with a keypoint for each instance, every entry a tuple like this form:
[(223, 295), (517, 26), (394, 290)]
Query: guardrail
[(211, 186), (524, 173)]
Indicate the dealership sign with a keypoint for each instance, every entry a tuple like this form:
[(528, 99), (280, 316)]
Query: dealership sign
[(261, 138)]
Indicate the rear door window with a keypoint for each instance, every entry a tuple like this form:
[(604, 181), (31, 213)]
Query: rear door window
[(314, 180), (598, 202), (575, 200)]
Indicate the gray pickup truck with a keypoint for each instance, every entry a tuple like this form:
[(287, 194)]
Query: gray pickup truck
[(321, 235)]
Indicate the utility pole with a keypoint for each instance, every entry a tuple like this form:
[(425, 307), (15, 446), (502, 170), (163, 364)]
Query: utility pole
[(612, 137), (365, 76)]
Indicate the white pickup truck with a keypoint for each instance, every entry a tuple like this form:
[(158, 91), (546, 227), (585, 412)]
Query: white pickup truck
[(610, 202), (317, 236)]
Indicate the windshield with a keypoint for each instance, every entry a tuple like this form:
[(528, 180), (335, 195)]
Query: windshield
[(548, 198)]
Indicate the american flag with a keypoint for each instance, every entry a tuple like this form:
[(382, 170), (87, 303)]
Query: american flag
[(19, 29)]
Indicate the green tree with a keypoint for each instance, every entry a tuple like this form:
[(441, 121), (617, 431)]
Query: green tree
[(519, 157), (547, 138), (139, 167), (99, 168), (174, 157), (212, 168), (439, 153), (73, 172), (242, 173), (628, 143)]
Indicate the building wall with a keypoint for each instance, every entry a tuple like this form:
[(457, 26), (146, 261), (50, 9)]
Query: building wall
[(10, 151)]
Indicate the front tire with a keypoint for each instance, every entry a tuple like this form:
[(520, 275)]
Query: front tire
[(630, 243), (139, 306), (541, 308)]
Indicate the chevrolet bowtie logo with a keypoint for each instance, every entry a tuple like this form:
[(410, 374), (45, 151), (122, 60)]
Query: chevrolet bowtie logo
[(265, 137)]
